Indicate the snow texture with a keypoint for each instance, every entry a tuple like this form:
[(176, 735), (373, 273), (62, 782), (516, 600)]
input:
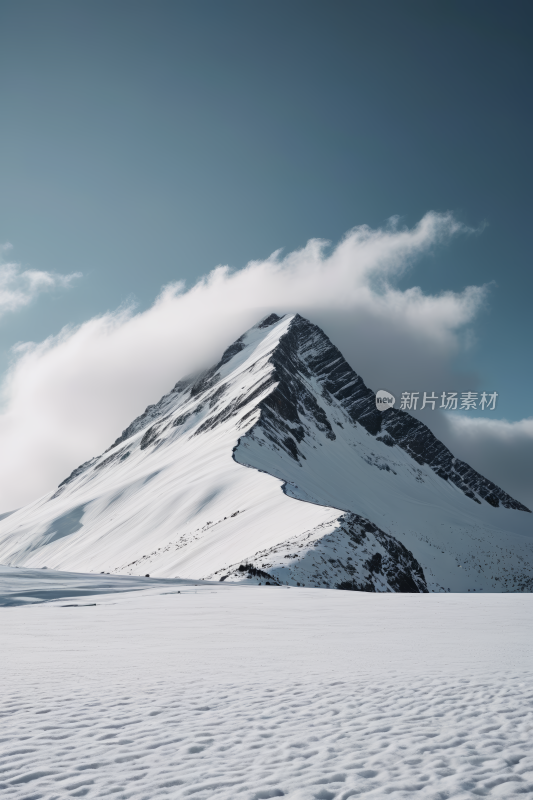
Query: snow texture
[(242, 691), (275, 466)]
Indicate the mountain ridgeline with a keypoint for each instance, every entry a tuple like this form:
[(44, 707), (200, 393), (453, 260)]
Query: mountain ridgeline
[(275, 466)]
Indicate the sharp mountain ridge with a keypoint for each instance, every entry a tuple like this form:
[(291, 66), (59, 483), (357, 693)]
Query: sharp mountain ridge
[(276, 466)]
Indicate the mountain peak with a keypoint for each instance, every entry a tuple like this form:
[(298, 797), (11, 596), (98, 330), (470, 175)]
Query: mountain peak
[(305, 350), (276, 464)]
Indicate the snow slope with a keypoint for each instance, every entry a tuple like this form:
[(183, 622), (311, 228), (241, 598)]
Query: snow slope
[(275, 465), (21, 586), (242, 691)]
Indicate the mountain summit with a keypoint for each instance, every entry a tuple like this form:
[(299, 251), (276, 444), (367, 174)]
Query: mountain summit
[(275, 466)]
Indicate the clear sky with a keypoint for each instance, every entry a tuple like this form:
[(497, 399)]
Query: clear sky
[(147, 142)]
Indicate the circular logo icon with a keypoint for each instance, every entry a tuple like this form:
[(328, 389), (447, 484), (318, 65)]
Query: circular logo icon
[(384, 400)]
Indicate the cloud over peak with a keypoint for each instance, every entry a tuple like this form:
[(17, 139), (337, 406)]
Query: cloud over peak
[(68, 397)]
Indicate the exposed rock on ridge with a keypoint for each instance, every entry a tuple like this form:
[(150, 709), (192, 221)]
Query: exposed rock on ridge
[(306, 351), (356, 555)]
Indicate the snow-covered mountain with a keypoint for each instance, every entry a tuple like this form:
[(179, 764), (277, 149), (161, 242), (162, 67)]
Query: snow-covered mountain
[(276, 466)]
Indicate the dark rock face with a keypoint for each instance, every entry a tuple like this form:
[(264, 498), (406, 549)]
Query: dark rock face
[(397, 564), (422, 445), (250, 571), (149, 437), (120, 455), (268, 321), (305, 350), (73, 475), (292, 400)]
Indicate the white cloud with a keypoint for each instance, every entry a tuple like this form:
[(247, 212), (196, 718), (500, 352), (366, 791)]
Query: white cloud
[(19, 287), (67, 398)]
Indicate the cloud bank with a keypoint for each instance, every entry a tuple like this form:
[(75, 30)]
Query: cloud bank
[(19, 287), (67, 398)]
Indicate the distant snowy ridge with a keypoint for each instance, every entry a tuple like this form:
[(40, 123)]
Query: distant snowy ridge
[(276, 466)]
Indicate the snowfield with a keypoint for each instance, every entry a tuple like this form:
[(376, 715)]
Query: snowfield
[(137, 688)]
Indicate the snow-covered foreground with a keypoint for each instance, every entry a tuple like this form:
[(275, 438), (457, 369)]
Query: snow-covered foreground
[(238, 691)]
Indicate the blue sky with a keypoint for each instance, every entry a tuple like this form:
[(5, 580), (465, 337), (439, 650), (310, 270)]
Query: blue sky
[(147, 142)]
